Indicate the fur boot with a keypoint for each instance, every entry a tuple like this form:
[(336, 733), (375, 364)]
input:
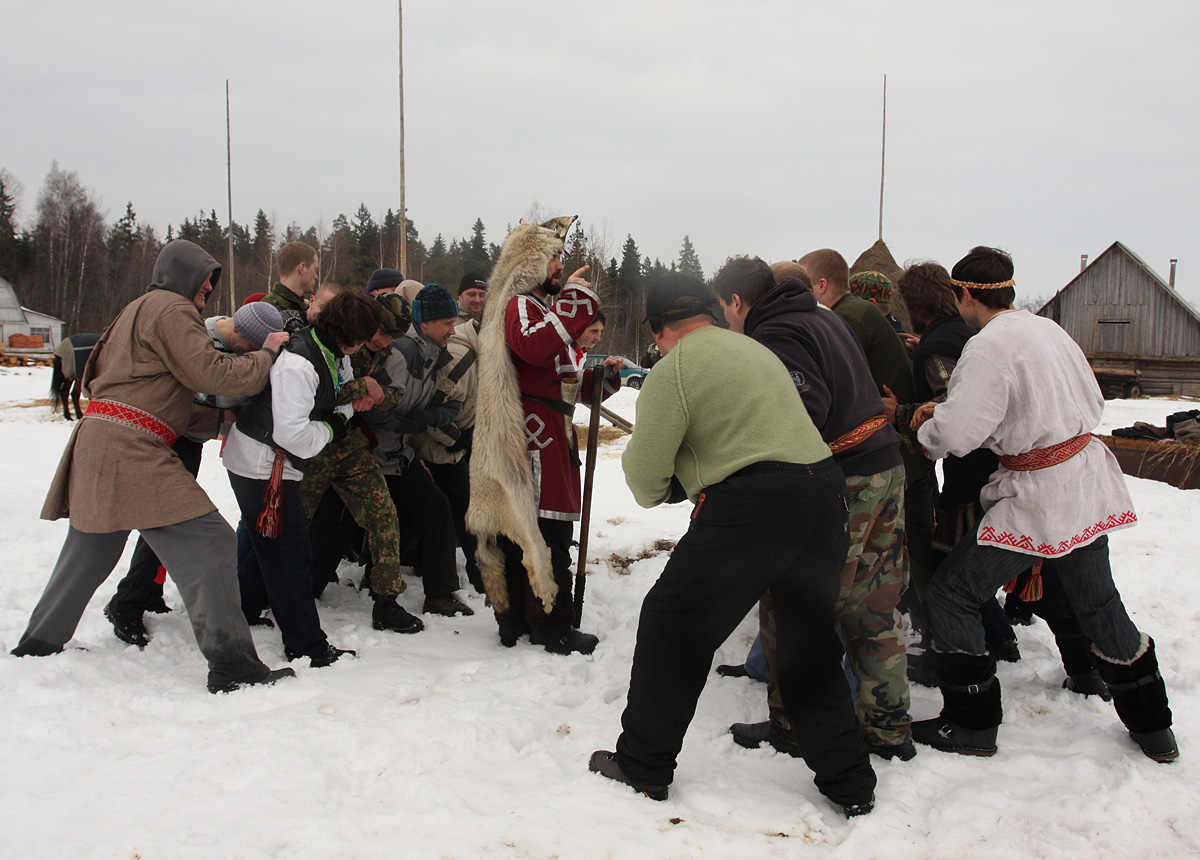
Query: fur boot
[(971, 713), (1140, 697), (504, 494)]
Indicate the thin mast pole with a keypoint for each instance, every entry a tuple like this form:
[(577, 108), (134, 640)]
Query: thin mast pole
[(403, 208), (229, 180), (882, 158)]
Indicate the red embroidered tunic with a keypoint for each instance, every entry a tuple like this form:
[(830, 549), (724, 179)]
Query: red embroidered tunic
[(1023, 386), (541, 341)]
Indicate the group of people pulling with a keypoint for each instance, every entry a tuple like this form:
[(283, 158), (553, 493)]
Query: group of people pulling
[(395, 425)]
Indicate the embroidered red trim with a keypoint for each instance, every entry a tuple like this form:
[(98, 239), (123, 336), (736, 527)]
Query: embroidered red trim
[(131, 416), (1024, 542), (858, 435), (1041, 458)]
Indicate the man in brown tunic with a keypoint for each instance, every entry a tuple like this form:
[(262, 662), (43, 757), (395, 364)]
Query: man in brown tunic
[(119, 473)]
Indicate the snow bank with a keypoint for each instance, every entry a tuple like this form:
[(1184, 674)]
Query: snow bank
[(447, 745)]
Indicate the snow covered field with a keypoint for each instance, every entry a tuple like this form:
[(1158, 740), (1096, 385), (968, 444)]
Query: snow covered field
[(447, 745)]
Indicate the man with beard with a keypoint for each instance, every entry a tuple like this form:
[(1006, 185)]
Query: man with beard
[(525, 486), (118, 472)]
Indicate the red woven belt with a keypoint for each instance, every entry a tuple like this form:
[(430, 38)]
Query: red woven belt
[(130, 416), (858, 435), (1041, 458)]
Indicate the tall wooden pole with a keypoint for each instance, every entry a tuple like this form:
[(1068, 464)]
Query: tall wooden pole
[(229, 180), (882, 158), (403, 208)]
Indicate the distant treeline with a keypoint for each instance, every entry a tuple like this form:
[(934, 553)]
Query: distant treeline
[(70, 263)]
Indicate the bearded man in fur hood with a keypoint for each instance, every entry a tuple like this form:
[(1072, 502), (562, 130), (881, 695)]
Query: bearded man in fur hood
[(525, 486)]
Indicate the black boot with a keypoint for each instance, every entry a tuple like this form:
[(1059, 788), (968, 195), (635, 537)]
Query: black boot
[(1140, 697), (511, 629), (326, 656), (753, 735), (572, 642), (390, 615), (1075, 649), (921, 669), (605, 763), (971, 713), (127, 626), (272, 676)]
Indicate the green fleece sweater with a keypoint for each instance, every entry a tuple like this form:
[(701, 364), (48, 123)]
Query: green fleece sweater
[(716, 403)]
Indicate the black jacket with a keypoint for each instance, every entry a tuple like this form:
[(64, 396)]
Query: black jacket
[(830, 371)]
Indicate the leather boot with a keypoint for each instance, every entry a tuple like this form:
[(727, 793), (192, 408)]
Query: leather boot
[(1140, 697), (971, 713)]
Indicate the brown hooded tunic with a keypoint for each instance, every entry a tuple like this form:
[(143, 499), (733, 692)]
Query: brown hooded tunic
[(155, 356)]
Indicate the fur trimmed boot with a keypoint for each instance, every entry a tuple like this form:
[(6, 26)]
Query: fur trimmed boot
[(1140, 697), (971, 713)]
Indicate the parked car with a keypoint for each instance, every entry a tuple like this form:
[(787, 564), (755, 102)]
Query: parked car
[(631, 374)]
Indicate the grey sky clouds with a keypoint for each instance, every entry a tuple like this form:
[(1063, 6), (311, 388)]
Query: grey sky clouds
[(1049, 129)]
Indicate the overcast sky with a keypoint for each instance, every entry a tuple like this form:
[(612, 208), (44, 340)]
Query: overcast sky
[(1051, 129)]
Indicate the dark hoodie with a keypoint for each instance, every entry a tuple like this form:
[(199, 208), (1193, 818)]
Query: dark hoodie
[(830, 370), (181, 268)]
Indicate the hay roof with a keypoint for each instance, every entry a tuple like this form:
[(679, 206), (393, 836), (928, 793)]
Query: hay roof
[(877, 258)]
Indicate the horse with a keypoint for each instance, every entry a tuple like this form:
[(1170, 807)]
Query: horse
[(70, 357)]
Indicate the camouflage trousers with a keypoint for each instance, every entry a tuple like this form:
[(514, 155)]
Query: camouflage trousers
[(348, 468), (867, 610)]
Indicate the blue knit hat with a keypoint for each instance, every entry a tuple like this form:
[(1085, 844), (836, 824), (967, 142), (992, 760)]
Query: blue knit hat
[(384, 279), (434, 302)]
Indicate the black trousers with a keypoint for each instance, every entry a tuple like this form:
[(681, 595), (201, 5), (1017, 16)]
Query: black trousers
[(424, 514), (139, 589), (525, 608), (773, 526), (454, 480), (282, 577)]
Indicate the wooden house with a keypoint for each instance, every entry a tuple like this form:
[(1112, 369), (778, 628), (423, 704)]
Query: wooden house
[(21, 321), (1136, 331)]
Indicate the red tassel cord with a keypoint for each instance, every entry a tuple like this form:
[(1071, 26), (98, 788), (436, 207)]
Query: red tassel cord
[(270, 519)]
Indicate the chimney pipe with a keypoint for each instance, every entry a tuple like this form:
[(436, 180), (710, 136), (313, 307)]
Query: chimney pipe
[(1082, 262), (1171, 282)]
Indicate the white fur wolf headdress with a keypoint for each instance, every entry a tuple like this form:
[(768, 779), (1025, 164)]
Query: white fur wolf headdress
[(503, 493)]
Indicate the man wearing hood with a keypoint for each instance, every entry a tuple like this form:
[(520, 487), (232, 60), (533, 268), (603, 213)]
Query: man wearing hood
[(119, 473), (831, 375), (412, 370)]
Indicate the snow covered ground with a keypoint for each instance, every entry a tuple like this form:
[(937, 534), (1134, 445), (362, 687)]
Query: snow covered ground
[(447, 745)]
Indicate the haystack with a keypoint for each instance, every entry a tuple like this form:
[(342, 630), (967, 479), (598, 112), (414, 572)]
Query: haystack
[(878, 258)]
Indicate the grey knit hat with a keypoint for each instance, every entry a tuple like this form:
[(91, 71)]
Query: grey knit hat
[(257, 320)]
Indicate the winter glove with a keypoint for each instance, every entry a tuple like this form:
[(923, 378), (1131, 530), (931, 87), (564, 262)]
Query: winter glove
[(338, 426), (676, 493), (464, 441)]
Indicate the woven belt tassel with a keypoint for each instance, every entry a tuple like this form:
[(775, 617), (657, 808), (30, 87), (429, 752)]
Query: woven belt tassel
[(270, 518)]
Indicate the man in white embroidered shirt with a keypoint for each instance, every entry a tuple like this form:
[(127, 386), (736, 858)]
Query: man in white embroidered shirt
[(1025, 390)]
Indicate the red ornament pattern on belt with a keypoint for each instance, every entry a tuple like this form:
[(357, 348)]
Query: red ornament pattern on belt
[(858, 435), (131, 416), (1042, 458)]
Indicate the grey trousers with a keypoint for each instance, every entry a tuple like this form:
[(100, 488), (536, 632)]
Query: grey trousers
[(199, 555)]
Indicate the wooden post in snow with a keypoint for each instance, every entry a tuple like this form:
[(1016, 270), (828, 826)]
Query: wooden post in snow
[(403, 209), (229, 182)]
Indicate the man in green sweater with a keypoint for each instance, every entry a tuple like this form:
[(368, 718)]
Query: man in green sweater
[(719, 423)]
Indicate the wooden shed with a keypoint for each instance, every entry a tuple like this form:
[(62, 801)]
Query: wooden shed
[(1136, 331), (23, 322)]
